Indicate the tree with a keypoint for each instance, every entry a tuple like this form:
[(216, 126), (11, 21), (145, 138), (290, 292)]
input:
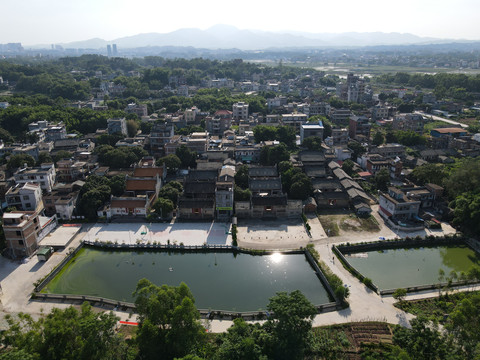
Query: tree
[(429, 173), (272, 155), (170, 192), (286, 135), (348, 166), (44, 157), (301, 187), (357, 149), (65, 334), (172, 162), (241, 195), (423, 341), (241, 177), (377, 138), (62, 154), (163, 207), (264, 133), (187, 157), (313, 143), (240, 342), (169, 323), (399, 294), (382, 180), (117, 185), (19, 160), (290, 324), (132, 127)]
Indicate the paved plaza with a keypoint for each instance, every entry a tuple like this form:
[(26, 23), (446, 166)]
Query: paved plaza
[(211, 233)]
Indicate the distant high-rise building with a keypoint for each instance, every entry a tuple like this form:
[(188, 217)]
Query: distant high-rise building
[(109, 50), (114, 49)]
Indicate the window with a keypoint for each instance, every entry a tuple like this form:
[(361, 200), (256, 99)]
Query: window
[(20, 242), (28, 205), (19, 233), (26, 197)]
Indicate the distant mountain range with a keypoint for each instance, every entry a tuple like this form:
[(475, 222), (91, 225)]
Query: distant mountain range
[(228, 37)]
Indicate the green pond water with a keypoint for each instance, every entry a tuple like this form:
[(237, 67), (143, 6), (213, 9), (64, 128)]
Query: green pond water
[(400, 268), (218, 281)]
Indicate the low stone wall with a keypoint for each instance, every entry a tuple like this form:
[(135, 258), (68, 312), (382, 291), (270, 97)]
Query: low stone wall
[(392, 244), (352, 269), (413, 289), (55, 271), (321, 276)]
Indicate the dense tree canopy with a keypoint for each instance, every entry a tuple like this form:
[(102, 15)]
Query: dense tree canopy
[(64, 334), (169, 321)]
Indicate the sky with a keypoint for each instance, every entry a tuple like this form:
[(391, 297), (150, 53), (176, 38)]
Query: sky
[(61, 21)]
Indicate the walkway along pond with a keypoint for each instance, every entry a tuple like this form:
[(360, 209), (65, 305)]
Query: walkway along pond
[(221, 278)]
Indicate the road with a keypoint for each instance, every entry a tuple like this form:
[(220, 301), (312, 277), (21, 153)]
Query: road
[(438, 118)]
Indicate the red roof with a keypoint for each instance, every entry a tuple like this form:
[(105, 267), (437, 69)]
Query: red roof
[(365, 174), (141, 185), (450, 130), (148, 172)]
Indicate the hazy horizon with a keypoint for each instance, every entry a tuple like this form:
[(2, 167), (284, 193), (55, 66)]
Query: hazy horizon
[(34, 22)]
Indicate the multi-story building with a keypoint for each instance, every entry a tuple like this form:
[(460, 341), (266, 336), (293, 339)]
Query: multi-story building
[(21, 229), (389, 150), (308, 130), (339, 136), (69, 170), (25, 197), (224, 193), (55, 132), (319, 109), (160, 135), (61, 201), (117, 126), (339, 116), (352, 90), (138, 109), (359, 125), (409, 122), (220, 122), (294, 119), (397, 205), (45, 176), (379, 112), (240, 111), (276, 102), (190, 115)]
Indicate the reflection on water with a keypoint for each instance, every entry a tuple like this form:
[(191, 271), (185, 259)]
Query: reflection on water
[(276, 258), (394, 268), (221, 281)]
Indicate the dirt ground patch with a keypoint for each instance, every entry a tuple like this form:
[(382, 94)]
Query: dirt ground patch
[(277, 231), (336, 224)]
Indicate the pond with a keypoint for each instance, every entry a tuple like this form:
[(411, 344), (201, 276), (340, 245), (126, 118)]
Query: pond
[(218, 281), (408, 267)]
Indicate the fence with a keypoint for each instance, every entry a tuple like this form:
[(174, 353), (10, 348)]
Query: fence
[(438, 286)]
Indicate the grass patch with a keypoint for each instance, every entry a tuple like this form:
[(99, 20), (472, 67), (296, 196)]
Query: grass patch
[(437, 308), (329, 224)]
